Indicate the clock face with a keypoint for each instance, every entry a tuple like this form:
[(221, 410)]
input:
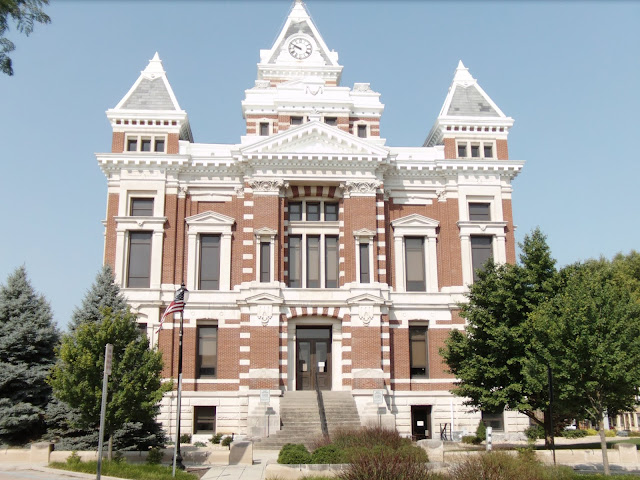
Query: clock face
[(300, 48)]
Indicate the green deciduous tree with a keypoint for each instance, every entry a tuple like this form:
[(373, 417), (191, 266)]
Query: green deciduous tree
[(135, 387), (26, 356), (589, 332), (490, 357), (25, 14)]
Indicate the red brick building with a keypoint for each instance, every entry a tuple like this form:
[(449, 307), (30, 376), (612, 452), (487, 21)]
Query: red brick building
[(315, 255)]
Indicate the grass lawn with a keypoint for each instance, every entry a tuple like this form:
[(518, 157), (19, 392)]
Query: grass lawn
[(125, 470)]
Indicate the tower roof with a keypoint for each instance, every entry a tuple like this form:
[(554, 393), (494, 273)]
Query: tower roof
[(279, 63), (151, 91), (467, 104)]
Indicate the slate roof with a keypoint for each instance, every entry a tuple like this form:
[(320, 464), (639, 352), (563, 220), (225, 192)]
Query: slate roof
[(468, 101), (150, 94)]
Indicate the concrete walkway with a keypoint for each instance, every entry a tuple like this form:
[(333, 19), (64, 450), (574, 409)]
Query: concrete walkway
[(244, 472)]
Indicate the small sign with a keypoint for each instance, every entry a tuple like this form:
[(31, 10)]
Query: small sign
[(378, 397), (419, 423), (108, 358), (265, 396), (321, 366)]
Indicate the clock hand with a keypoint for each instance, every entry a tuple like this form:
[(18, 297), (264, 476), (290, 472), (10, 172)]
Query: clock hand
[(297, 46)]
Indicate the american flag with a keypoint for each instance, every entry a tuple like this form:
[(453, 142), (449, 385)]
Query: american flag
[(176, 306)]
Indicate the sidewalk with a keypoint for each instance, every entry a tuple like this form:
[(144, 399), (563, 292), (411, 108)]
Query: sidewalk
[(244, 472)]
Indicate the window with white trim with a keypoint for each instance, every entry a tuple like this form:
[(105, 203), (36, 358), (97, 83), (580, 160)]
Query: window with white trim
[(362, 130), (209, 251), (207, 356), (313, 244), (480, 149), (419, 351), (265, 258), (494, 420), (481, 251), (415, 256), (139, 264), (264, 129), (364, 255)]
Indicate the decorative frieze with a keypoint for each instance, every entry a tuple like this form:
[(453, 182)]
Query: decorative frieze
[(360, 187), (267, 185)]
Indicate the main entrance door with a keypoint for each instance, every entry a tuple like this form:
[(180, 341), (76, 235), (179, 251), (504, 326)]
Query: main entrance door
[(313, 358)]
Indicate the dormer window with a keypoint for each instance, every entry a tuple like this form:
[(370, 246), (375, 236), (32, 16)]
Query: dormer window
[(333, 121), (147, 144), (475, 149), (362, 131), (296, 120), (264, 129)]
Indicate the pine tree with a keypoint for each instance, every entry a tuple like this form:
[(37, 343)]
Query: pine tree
[(103, 293), (27, 354)]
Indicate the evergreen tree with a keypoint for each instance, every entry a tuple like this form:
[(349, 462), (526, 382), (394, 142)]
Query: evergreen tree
[(104, 293), (27, 348), (135, 386)]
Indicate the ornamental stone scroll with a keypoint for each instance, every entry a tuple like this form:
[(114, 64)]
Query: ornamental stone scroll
[(361, 188), (267, 186)]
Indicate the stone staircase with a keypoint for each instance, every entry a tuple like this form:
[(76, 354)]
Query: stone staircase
[(300, 417)]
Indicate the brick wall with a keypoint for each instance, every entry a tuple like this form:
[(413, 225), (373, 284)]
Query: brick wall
[(507, 215), (359, 212), (450, 148), (172, 143), (502, 150), (117, 142)]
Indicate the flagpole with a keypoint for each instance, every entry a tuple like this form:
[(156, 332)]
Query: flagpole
[(177, 456)]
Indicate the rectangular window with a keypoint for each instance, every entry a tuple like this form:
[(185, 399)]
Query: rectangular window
[(209, 262), (296, 120), (264, 129), (159, 145), (295, 211), (364, 263), (333, 121), (313, 261), (475, 151), (494, 420), (479, 211), (295, 261), (143, 329), (362, 131), (462, 150), (313, 211), (331, 261), (141, 207), (205, 420), (488, 151), (139, 271), (414, 261), (145, 145), (419, 352), (481, 251), (265, 261), (330, 212), (132, 145), (207, 352)]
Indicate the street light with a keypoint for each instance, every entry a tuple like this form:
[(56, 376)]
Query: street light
[(182, 294)]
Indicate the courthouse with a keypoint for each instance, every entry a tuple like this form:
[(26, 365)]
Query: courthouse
[(317, 257)]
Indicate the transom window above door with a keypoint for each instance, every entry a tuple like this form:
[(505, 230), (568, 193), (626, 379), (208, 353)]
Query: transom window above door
[(313, 211)]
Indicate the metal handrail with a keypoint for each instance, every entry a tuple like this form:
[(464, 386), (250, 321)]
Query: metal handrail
[(321, 411)]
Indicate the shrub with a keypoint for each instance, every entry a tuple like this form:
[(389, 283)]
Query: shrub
[(118, 457), (471, 440), (185, 438), (609, 433), (328, 454), (216, 439), (534, 432), (226, 441), (481, 431), (574, 433), (199, 444), (154, 457), (384, 464), (591, 431), (369, 437), (74, 458), (634, 434), (294, 454)]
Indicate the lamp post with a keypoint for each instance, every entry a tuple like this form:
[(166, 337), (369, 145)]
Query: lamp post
[(178, 306)]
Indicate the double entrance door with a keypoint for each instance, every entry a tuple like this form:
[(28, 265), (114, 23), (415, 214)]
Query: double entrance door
[(313, 358)]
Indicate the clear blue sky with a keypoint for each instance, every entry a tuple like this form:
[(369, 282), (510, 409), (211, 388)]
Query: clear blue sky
[(567, 72)]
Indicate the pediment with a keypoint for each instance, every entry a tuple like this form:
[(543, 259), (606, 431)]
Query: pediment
[(265, 232), (209, 218), (315, 138), (264, 299), (366, 299), (364, 232), (415, 220)]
